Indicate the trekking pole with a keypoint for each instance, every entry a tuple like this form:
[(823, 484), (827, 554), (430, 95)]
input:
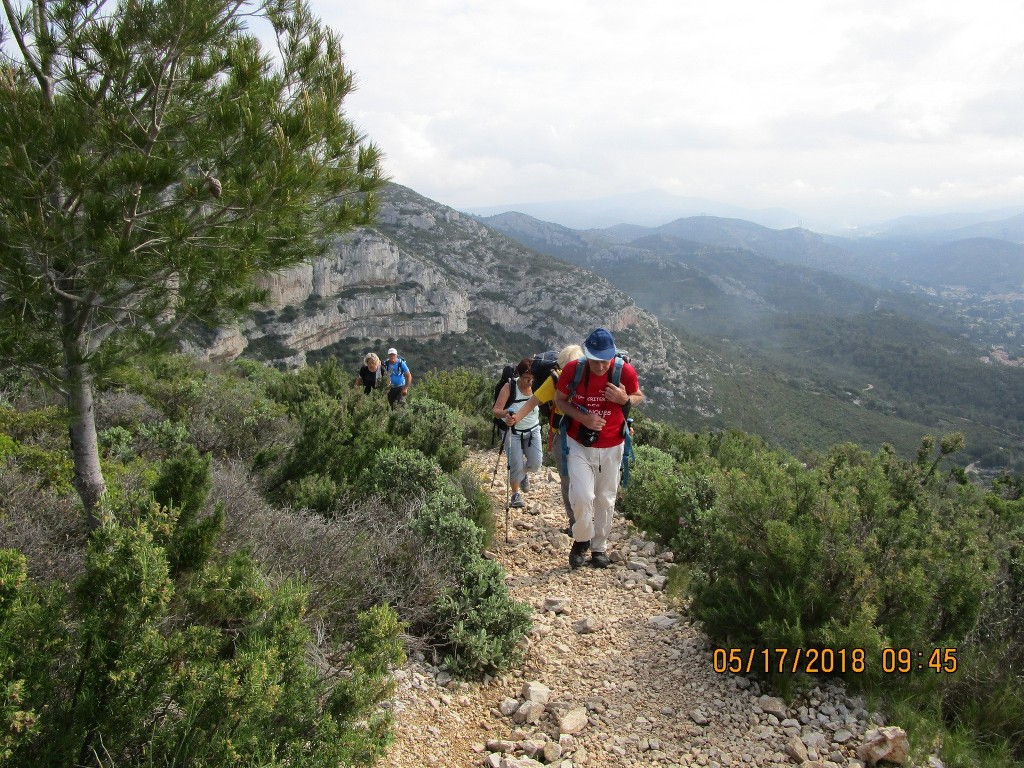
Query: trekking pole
[(508, 501), (501, 449)]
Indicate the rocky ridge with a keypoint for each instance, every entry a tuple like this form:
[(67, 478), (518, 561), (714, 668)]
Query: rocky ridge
[(615, 675), (426, 272)]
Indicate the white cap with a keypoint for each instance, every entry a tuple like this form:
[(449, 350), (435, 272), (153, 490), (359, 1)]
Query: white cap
[(392, 351)]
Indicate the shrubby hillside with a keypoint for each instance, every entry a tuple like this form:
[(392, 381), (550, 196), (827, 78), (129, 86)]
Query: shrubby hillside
[(902, 575), (270, 547), (274, 542)]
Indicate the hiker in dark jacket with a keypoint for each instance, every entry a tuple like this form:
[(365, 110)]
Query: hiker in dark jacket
[(370, 375), (522, 442)]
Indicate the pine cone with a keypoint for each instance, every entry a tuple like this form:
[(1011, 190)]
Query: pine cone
[(214, 184)]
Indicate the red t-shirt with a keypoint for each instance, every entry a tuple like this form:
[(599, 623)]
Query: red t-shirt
[(590, 395)]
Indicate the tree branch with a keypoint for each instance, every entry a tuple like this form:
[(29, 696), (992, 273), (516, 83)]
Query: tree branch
[(45, 82)]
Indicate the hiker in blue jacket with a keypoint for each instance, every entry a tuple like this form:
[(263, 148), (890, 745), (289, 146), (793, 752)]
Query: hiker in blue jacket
[(400, 377)]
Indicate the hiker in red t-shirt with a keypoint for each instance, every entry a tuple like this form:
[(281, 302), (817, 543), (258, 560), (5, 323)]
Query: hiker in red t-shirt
[(596, 425)]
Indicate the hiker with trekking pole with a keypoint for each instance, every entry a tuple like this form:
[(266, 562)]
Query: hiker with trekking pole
[(522, 442), (545, 393)]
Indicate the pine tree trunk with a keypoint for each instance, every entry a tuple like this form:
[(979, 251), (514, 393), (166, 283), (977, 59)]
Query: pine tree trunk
[(84, 443)]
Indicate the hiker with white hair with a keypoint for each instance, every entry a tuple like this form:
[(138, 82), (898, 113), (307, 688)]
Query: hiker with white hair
[(370, 375)]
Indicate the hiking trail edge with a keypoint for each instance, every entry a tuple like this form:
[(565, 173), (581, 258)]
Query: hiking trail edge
[(613, 676)]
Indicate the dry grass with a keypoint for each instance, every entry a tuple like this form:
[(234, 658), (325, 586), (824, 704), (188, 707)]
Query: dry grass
[(365, 555), (46, 527)]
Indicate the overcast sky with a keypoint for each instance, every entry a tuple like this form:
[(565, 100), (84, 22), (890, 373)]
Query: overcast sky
[(853, 110)]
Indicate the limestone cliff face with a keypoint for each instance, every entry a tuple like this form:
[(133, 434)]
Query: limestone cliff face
[(367, 288)]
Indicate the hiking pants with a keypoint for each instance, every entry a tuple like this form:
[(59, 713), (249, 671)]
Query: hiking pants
[(395, 396), (525, 452), (593, 483)]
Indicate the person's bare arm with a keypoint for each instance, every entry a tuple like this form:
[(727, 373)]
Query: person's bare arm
[(525, 408), (499, 410), (587, 419)]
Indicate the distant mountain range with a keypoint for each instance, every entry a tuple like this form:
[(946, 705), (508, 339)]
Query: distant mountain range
[(653, 208), (831, 336), (1004, 224), (649, 208)]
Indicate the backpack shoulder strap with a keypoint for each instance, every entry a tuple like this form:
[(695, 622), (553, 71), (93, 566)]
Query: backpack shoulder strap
[(512, 384), (577, 377), (616, 375)]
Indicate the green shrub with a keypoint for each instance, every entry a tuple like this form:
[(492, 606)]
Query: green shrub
[(851, 553), (469, 393), (398, 475), (232, 416), (184, 483), (443, 520), (337, 440), (459, 388), (324, 380), (163, 438), (140, 668), (433, 429), (672, 501), (486, 627), (652, 500), (480, 507), (116, 443)]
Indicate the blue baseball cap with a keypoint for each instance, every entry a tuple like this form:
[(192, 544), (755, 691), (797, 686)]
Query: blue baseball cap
[(599, 345)]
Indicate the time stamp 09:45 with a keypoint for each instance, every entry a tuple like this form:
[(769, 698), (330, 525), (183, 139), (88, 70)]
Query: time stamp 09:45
[(828, 661)]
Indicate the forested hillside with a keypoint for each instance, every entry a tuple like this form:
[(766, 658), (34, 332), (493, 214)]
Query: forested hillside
[(810, 357)]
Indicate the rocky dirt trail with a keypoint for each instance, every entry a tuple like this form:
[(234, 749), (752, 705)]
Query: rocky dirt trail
[(614, 675)]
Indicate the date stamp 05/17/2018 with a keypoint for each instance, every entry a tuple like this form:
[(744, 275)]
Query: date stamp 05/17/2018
[(829, 661)]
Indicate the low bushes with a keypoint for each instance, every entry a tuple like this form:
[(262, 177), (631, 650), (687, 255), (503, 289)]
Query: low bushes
[(856, 550), (150, 661)]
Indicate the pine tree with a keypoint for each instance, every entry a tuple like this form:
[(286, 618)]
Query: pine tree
[(156, 161)]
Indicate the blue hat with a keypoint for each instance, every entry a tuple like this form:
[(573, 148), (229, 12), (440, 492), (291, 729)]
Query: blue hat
[(599, 345)]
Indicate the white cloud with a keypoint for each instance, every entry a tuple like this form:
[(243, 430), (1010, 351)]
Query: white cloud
[(862, 105)]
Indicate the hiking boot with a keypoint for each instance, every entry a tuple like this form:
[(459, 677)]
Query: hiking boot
[(599, 559), (525, 485), (578, 553), (517, 500)]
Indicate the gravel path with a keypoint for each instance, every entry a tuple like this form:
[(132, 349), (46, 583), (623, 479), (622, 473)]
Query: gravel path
[(622, 678)]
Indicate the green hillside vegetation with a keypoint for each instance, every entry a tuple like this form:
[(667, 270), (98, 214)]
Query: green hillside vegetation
[(267, 541), (807, 358), (250, 506), (800, 377), (851, 552)]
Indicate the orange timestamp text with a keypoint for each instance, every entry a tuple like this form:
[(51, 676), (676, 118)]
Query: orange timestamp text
[(832, 661)]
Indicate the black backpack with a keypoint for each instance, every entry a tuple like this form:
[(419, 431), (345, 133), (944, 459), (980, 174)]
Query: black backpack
[(544, 365), (508, 376)]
